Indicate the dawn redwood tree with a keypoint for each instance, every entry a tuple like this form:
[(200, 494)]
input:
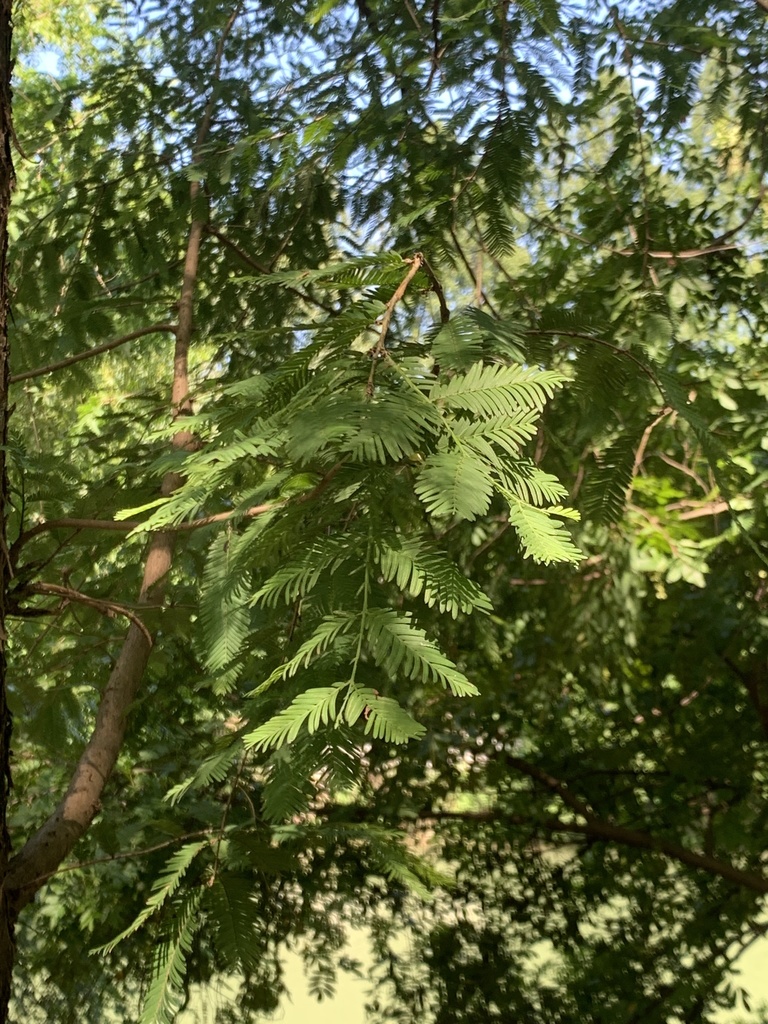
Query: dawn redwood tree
[(387, 464)]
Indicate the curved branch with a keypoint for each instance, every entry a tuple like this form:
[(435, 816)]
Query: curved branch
[(261, 268), (127, 525), (606, 831), (593, 828), (145, 851), (586, 336), (599, 828), (100, 604), (54, 840), (41, 371)]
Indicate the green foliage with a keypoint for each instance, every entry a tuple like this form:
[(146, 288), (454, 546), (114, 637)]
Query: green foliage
[(469, 569), (163, 888), (163, 999)]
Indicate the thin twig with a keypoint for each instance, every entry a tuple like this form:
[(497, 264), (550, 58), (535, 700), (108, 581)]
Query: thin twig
[(127, 855), (713, 508), (684, 469), (437, 288), (106, 607), (584, 336), (96, 351), (416, 262), (127, 525), (225, 815), (593, 828), (640, 453), (471, 272), (607, 831), (262, 268)]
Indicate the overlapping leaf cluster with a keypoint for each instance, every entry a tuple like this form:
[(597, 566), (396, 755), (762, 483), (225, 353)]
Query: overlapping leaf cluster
[(352, 458), (371, 529)]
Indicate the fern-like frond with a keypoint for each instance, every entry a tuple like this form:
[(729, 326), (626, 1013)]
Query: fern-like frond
[(531, 484), (401, 648), (310, 709), (233, 914), (458, 344), (164, 994), (506, 432), (162, 890), (299, 577), (287, 792), (385, 269), (499, 236), (455, 483), (543, 538), (223, 605), (213, 768), (605, 491), (389, 427), (496, 391), (331, 419), (327, 633), (384, 717), (429, 574), (503, 339)]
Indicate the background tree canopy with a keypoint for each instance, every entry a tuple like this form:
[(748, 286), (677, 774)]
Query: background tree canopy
[(386, 520)]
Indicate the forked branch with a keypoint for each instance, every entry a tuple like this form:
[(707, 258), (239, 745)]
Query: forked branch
[(46, 849)]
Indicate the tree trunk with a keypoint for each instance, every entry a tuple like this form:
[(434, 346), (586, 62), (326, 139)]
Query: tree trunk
[(6, 187)]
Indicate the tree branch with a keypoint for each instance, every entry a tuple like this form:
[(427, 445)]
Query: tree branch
[(640, 453), (261, 268), (41, 371), (606, 831), (437, 288), (126, 525), (54, 840), (593, 828), (145, 851), (598, 828), (584, 336), (416, 263), (105, 607)]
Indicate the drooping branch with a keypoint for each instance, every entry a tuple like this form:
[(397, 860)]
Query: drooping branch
[(97, 350), (111, 608), (46, 849), (593, 827), (261, 268), (127, 525), (609, 831), (606, 831), (616, 349)]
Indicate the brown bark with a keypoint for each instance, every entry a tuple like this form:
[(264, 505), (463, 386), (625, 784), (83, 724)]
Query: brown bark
[(54, 840), (28, 870), (7, 945)]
